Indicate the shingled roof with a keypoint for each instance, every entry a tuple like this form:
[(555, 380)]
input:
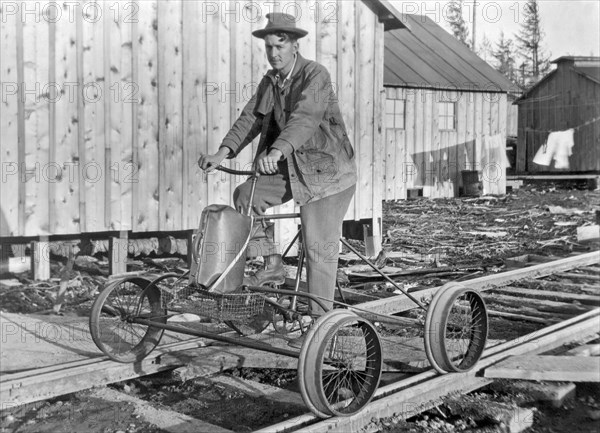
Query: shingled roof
[(424, 55)]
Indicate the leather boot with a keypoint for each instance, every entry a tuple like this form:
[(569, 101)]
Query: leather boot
[(272, 273)]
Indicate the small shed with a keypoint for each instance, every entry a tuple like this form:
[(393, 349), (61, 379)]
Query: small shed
[(106, 107), (446, 112), (566, 98)]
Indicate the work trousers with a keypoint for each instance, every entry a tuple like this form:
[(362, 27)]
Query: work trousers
[(321, 230)]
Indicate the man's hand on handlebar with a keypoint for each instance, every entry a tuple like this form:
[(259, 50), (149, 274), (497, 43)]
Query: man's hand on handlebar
[(268, 164), (208, 163)]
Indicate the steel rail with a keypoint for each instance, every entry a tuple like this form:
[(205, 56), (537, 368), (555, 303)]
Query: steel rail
[(40, 384)]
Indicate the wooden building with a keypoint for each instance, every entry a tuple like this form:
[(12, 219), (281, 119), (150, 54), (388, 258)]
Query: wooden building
[(444, 104), (107, 105), (568, 97)]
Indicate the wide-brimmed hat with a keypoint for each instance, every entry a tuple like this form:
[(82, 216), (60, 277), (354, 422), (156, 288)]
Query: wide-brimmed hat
[(280, 23)]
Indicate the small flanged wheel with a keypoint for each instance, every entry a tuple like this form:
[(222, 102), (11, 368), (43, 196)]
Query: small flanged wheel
[(340, 364), (456, 328), (111, 324)]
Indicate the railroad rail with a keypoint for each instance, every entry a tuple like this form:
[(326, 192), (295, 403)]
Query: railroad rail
[(404, 398)]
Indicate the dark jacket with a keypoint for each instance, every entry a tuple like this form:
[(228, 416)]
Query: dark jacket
[(304, 122)]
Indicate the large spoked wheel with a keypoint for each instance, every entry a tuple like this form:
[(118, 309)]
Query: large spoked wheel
[(340, 364), (111, 323), (456, 328)]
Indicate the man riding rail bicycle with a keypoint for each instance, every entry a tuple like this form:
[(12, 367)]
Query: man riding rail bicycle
[(305, 150)]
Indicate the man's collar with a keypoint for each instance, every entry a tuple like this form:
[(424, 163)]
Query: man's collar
[(297, 67)]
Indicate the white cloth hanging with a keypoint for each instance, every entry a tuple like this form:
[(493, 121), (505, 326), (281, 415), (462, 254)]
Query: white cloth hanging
[(558, 147), (496, 151)]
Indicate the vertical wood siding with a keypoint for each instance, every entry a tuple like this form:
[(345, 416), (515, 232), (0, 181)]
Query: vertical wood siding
[(107, 105), (563, 101), (424, 156)]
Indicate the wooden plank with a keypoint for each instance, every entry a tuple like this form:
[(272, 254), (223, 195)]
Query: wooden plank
[(545, 294), (81, 120), (241, 76), (584, 350), (40, 259), (483, 152), (436, 146), (409, 168), (257, 389), (364, 143), (117, 139), (418, 150), (430, 121), (389, 179), (135, 136), (31, 386), (327, 54), (588, 233), (64, 203), (218, 83), (95, 90), (9, 134), (169, 113), (260, 64), (53, 94), (164, 419), (552, 368), (523, 317), (493, 165), (401, 303), (378, 138), (108, 163), (310, 15), (346, 77), (400, 163), (537, 304), (577, 276), (502, 128), (194, 113), (457, 146), (21, 138), (117, 251), (479, 132), (36, 125), (128, 98), (146, 44)]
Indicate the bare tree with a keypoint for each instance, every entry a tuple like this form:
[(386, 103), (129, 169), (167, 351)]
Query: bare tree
[(529, 42)]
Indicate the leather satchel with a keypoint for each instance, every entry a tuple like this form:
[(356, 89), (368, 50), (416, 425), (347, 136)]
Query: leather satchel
[(220, 247)]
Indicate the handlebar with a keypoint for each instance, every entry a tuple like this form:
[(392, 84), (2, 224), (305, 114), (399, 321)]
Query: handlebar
[(255, 173), (237, 172)]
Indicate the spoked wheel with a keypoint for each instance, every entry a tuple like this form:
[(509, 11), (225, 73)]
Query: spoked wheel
[(340, 364), (111, 323), (456, 328)]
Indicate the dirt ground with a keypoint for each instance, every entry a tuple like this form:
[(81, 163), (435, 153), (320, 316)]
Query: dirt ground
[(475, 235)]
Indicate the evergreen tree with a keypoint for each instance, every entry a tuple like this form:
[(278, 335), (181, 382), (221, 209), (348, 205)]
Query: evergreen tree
[(505, 57), (457, 21), (485, 48), (529, 42)]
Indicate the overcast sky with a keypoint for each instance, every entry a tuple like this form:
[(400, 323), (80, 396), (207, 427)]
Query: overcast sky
[(572, 27)]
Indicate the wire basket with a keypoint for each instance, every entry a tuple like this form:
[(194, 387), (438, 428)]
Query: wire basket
[(183, 297)]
